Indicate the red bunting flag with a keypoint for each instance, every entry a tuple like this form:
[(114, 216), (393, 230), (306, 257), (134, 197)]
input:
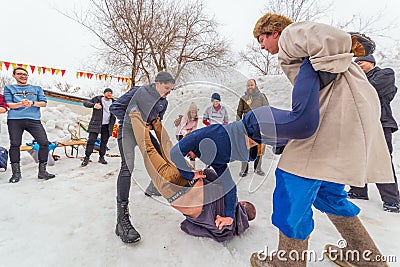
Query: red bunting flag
[(44, 70), (19, 65), (62, 72), (7, 64), (118, 79), (53, 71), (32, 68)]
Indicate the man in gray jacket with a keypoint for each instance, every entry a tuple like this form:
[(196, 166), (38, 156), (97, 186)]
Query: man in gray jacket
[(151, 102)]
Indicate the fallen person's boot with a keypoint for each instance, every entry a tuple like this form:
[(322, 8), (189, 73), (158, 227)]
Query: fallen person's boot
[(43, 174), (361, 45), (151, 190), (124, 228), (16, 173), (357, 242), (287, 244)]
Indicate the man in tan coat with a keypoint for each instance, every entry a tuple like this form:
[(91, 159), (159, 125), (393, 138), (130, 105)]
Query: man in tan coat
[(347, 148)]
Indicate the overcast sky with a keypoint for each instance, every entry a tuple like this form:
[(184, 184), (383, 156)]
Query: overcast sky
[(33, 32)]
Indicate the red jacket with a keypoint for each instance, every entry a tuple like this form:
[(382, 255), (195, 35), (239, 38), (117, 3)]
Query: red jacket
[(3, 103)]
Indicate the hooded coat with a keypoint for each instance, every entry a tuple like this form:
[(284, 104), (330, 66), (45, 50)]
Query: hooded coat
[(348, 146)]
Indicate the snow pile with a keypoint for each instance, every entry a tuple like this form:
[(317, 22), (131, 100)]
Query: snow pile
[(70, 220)]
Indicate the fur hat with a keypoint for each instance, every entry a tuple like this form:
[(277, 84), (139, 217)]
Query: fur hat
[(271, 23), (193, 107)]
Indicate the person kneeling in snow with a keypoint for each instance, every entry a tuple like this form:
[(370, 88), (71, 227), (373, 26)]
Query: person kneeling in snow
[(201, 199), (343, 145)]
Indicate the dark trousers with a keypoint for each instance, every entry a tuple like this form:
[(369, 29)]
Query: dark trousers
[(126, 145), (389, 192), (104, 136), (15, 130)]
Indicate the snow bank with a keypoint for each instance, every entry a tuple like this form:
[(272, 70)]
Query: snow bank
[(70, 220)]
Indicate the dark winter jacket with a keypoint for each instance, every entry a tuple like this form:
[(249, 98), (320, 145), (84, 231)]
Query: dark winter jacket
[(145, 99), (204, 225), (97, 115), (249, 102), (383, 80)]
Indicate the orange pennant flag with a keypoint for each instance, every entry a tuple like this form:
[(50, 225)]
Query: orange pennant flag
[(39, 70), (58, 71), (77, 75), (1, 65), (13, 65)]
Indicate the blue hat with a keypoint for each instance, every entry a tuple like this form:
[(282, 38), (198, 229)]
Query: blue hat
[(369, 58), (215, 96)]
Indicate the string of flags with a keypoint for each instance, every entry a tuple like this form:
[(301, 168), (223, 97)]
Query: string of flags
[(100, 77), (56, 71)]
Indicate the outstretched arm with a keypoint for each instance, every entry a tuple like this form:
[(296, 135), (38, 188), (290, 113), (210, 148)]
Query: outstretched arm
[(229, 187)]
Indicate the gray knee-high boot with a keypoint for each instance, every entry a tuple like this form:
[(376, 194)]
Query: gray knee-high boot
[(290, 246), (358, 240)]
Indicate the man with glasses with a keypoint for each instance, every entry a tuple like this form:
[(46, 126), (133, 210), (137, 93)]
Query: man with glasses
[(151, 102), (24, 102)]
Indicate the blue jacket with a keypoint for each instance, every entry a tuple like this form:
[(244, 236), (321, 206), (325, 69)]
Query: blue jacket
[(14, 93), (216, 145), (144, 98)]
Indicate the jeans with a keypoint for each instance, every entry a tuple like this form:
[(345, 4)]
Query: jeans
[(15, 130)]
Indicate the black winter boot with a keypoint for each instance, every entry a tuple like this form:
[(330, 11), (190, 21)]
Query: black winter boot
[(16, 173), (85, 162), (102, 160), (124, 228), (43, 174)]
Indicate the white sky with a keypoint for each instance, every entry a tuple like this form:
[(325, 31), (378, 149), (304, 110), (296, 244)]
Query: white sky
[(33, 32)]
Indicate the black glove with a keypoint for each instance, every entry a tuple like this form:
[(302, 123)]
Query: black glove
[(277, 150), (325, 78)]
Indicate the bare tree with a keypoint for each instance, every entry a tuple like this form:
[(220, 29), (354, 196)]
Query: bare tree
[(261, 61), (312, 10), (4, 80), (298, 10), (147, 36)]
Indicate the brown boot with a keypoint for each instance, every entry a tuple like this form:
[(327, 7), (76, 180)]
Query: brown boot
[(356, 239), (285, 244)]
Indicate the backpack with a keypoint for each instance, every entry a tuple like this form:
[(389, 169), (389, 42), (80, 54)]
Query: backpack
[(3, 158)]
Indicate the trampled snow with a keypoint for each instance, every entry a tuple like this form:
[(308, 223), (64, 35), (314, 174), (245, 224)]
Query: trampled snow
[(70, 220)]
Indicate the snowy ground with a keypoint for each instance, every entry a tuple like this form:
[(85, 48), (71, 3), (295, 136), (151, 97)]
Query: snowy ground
[(70, 220)]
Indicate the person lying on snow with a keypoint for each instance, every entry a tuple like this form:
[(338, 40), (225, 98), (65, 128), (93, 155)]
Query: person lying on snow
[(200, 199), (217, 145)]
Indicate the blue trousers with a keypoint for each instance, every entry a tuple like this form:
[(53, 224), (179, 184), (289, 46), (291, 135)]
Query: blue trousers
[(294, 197)]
